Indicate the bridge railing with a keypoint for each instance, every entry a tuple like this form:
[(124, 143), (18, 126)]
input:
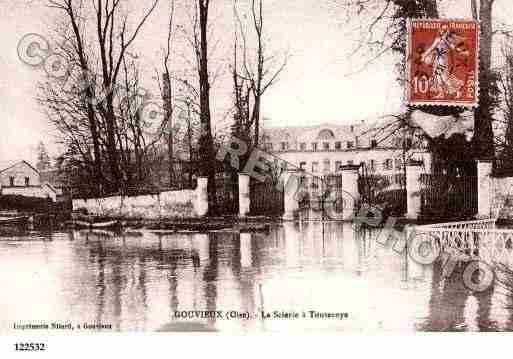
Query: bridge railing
[(478, 239), (488, 223)]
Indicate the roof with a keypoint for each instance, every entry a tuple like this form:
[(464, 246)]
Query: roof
[(5, 165), (49, 185), (363, 131)]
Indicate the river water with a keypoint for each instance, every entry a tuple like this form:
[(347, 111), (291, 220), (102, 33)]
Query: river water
[(326, 276)]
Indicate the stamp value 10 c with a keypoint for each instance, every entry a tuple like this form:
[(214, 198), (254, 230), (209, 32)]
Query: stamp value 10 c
[(443, 62)]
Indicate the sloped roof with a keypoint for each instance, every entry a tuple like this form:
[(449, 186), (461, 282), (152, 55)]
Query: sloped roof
[(4, 165)]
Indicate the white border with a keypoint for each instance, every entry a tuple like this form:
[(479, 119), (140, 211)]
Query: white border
[(277, 345)]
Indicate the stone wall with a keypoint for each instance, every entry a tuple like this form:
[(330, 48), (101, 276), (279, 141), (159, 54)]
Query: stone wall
[(502, 198), (169, 204)]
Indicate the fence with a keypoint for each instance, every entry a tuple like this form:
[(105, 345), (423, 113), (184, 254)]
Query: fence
[(266, 198), (448, 196), (227, 194), (387, 191), (314, 190)]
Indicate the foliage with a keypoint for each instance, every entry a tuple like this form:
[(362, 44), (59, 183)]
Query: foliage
[(393, 201), (32, 204)]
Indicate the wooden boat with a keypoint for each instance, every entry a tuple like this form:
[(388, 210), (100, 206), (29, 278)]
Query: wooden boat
[(96, 225), (20, 220), (108, 224), (81, 224)]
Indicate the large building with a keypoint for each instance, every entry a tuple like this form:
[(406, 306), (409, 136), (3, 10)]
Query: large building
[(323, 149)]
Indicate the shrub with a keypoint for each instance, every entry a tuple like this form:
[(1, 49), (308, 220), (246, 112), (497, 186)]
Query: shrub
[(32, 204)]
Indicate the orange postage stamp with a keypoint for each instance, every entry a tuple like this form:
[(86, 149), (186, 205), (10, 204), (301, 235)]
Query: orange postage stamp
[(442, 62)]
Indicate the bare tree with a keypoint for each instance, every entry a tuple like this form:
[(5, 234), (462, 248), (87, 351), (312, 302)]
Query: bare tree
[(255, 73), (167, 96), (206, 143), (504, 141), (77, 55), (109, 50), (488, 92)]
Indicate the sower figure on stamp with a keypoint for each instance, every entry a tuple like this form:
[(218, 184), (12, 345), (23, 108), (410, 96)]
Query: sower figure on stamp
[(440, 55)]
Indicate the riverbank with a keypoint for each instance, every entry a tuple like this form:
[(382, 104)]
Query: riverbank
[(68, 219)]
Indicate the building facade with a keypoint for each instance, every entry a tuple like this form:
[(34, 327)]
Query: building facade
[(21, 178), (378, 147)]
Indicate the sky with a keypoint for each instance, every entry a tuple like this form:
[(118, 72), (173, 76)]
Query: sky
[(318, 84)]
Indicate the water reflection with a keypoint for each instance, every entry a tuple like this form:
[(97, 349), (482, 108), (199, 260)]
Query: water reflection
[(139, 280)]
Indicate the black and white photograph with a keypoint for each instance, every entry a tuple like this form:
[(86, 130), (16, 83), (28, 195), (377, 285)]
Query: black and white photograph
[(255, 166)]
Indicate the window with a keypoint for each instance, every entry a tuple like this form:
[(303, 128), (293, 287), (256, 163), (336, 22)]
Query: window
[(302, 166), (350, 144), (338, 145), (315, 167), (302, 146), (315, 182), (268, 146), (399, 179), (409, 142), (374, 143), (372, 165), (326, 134), (11, 181), (387, 164), (284, 146), (398, 163), (352, 128), (314, 146), (326, 146), (338, 165), (326, 166), (27, 181)]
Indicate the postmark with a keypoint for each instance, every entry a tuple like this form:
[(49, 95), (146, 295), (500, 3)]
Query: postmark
[(442, 62)]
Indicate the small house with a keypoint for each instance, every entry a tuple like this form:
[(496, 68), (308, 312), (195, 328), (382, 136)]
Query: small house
[(21, 178)]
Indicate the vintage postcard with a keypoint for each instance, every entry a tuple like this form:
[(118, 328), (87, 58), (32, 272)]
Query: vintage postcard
[(253, 166), (443, 62)]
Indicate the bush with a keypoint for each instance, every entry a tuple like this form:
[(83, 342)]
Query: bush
[(393, 201), (32, 204)]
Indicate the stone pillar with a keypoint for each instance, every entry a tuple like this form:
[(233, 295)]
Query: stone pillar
[(350, 193), (244, 200), (413, 172), (484, 188), (291, 182), (201, 205)]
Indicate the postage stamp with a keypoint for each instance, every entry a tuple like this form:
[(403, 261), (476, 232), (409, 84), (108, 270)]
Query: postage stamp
[(443, 62)]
